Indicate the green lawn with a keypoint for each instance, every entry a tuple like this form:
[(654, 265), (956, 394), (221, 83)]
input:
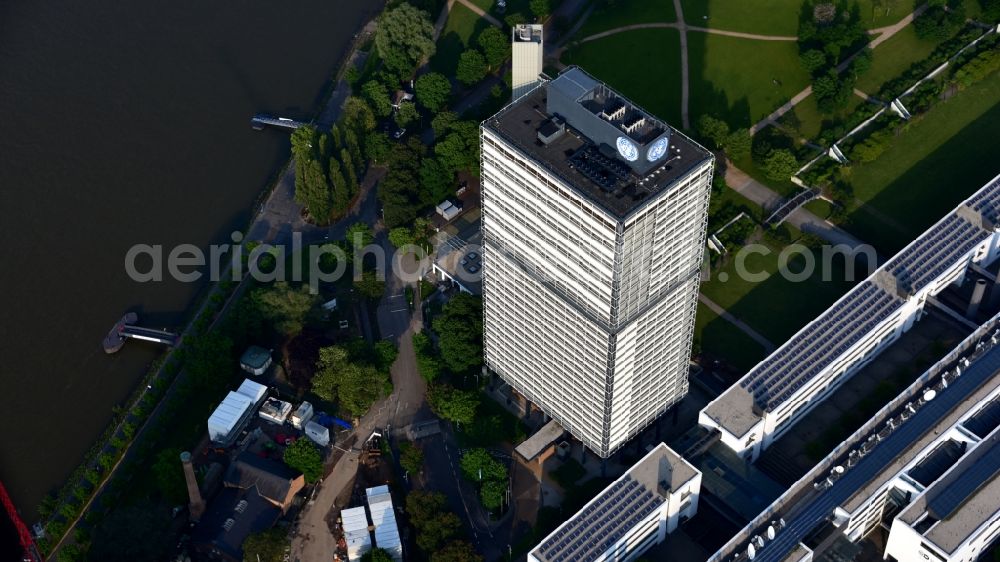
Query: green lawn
[(819, 207), (462, 28), (643, 64), (773, 17), (933, 165), (627, 12), (734, 78), (775, 307), (720, 339), (893, 57)]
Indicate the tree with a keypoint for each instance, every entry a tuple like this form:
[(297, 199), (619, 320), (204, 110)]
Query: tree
[(401, 236), (303, 456), (370, 285), (460, 332), (265, 546), (358, 115), (738, 143), (427, 363), (355, 386), (442, 122), (385, 354), (411, 457), (495, 46), (471, 67), (169, 476), (780, 164), (813, 60), (350, 170), (459, 149), (941, 20), (405, 38), (139, 532), (478, 466), (432, 91), (209, 360), (713, 129), (359, 235), (454, 405), (377, 147), (434, 525), (456, 551), (492, 494), (377, 555), (541, 8), (284, 306), (312, 186), (406, 114), (436, 181), (377, 96)]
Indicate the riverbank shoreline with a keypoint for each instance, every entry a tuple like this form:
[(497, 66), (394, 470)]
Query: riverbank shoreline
[(208, 307)]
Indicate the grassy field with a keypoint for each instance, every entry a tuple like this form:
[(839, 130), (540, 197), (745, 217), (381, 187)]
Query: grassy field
[(741, 80), (644, 65), (819, 207), (462, 28), (775, 307), (720, 339), (894, 56), (933, 165), (628, 12), (774, 17)]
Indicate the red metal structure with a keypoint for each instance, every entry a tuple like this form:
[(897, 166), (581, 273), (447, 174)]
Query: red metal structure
[(31, 553)]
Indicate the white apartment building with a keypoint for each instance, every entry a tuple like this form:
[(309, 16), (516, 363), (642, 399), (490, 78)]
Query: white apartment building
[(631, 515), (527, 54), (786, 385), (594, 218)]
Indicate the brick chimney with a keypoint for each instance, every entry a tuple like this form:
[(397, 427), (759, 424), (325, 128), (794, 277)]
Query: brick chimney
[(196, 507)]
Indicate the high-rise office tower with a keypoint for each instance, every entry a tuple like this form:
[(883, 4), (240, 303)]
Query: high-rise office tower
[(527, 51), (594, 217)]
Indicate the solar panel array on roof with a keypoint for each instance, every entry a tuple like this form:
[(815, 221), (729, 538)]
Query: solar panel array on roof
[(943, 457), (793, 365), (810, 351), (601, 524), (987, 200), (983, 422), (944, 504), (935, 251)]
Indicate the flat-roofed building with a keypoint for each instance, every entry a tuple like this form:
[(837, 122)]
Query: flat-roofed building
[(594, 218), (631, 515), (357, 535), (786, 385), (384, 521), (926, 464)]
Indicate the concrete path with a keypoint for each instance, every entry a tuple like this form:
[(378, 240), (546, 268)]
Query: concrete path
[(743, 327), (685, 74), (679, 25), (480, 12)]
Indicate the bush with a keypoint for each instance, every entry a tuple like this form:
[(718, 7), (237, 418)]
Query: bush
[(303, 456)]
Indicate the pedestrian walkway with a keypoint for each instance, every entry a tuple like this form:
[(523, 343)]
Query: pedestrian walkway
[(478, 11), (801, 218)]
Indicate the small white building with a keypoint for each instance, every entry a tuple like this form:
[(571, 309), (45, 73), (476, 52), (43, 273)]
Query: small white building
[(232, 415), (631, 515), (384, 520), (317, 433), (356, 533), (302, 415), (255, 360), (275, 411)]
